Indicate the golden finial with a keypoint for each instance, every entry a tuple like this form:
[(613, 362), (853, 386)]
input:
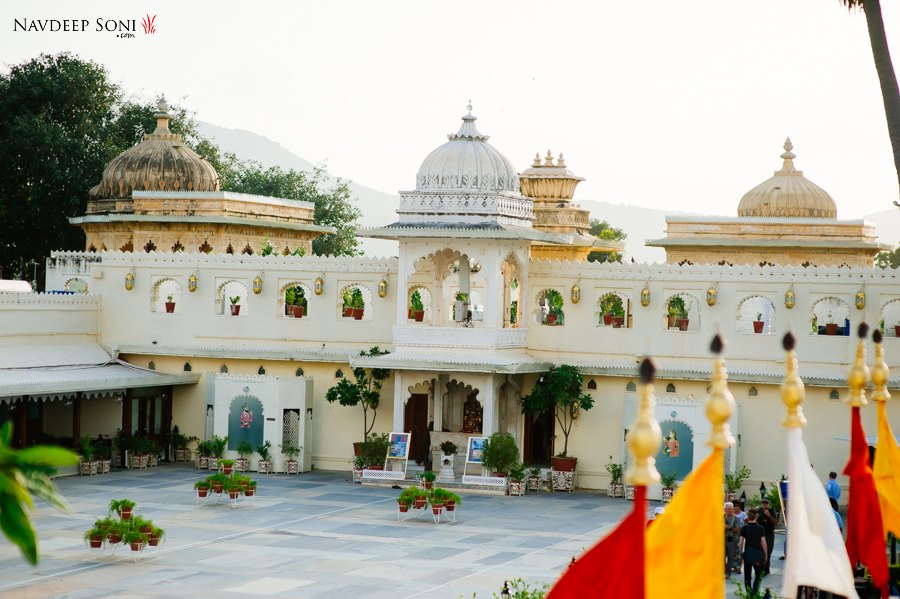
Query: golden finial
[(561, 162), (880, 372), (537, 160), (720, 405), (645, 437), (859, 372), (548, 159), (792, 390)]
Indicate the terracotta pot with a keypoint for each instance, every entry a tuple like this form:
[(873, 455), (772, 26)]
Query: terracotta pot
[(136, 546), (126, 513), (297, 311), (202, 491), (96, 542), (287, 310), (427, 484), (551, 319), (618, 322), (450, 505), (682, 324), (419, 315), (500, 474), (170, 307), (227, 470), (114, 538), (436, 508), (671, 321), (217, 487), (249, 492), (403, 507), (233, 493), (409, 313), (153, 541), (419, 503), (357, 447), (607, 319), (564, 464), (235, 309), (146, 529), (358, 313), (758, 326), (375, 467), (831, 328)]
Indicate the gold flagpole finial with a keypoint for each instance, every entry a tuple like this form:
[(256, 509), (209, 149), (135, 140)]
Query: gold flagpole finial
[(859, 372), (792, 390), (880, 372), (720, 405), (645, 437)]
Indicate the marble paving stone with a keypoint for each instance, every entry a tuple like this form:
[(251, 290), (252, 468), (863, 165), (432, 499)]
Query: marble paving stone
[(268, 586)]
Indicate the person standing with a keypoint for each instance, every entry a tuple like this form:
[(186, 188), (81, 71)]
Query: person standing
[(832, 488), (837, 514), (754, 550), (768, 519), (732, 534)]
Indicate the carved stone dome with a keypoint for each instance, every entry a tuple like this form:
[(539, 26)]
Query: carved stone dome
[(467, 163), (788, 194), (159, 162)]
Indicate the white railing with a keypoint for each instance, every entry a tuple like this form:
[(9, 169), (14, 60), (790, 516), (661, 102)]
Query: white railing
[(462, 337), (466, 204)]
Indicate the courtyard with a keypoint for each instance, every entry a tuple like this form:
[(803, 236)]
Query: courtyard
[(315, 535)]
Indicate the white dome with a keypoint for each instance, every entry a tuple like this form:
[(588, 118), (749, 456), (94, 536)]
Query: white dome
[(467, 163)]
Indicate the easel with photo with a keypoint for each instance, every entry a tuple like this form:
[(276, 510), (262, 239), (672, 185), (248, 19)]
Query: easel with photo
[(396, 461), (474, 449)]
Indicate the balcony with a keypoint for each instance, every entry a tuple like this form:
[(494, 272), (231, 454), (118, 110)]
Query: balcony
[(458, 337)]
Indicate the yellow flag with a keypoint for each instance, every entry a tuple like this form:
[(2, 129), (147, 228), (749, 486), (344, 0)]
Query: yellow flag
[(685, 548), (887, 474)]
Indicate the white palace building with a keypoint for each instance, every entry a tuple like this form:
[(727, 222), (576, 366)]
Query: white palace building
[(144, 336)]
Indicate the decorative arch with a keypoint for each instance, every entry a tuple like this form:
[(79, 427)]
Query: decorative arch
[(165, 290), (298, 372), (421, 387), (834, 395), (829, 316), (348, 296), (76, 285), (755, 315), (676, 456), (463, 411), (187, 367), (261, 371), (631, 387), (151, 365), (890, 318), (550, 307), (424, 297), (228, 290), (293, 298), (613, 309), (592, 385), (245, 421), (670, 388), (338, 374), (223, 369), (753, 392), (682, 312)]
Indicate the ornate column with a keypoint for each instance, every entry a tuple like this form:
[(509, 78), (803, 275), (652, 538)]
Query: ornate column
[(399, 403), (489, 407)]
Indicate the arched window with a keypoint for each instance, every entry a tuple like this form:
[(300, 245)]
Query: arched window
[(830, 316), (756, 315), (549, 308), (670, 388), (834, 395), (187, 367), (151, 365), (890, 319), (261, 371), (753, 392), (232, 299), (592, 384), (165, 296), (356, 302), (682, 312), (419, 304), (631, 386), (223, 369), (298, 372), (76, 285), (613, 309), (338, 374), (295, 296)]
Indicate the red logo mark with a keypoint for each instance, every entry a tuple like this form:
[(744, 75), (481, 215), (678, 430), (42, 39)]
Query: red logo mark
[(148, 23)]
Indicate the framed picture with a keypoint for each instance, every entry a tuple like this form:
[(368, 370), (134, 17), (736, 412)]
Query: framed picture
[(475, 450), (399, 446)]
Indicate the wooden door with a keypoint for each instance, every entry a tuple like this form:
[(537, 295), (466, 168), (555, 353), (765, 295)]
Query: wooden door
[(416, 423), (538, 441)]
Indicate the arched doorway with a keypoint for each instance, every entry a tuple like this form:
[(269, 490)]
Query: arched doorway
[(538, 442), (415, 422)]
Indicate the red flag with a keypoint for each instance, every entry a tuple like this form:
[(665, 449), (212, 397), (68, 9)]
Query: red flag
[(865, 533), (614, 567)]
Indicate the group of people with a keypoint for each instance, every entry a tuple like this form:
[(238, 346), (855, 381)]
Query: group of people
[(749, 540)]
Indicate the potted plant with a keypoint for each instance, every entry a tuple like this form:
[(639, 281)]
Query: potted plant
[(420, 498), (234, 489), (534, 478), (448, 498), (135, 539), (406, 498), (217, 447), (217, 481), (428, 477), (290, 296), (682, 322), (88, 464), (122, 507), (668, 483), (235, 306), (500, 453), (95, 537), (364, 391), (675, 310), (227, 466), (182, 453), (517, 479), (554, 316), (559, 392), (156, 535), (300, 303), (758, 323), (170, 304), (831, 327), (449, 448), (416, 307), (555, 308), (141, 524), (347, 299), (357, 303), (250, 489), (374, 451), (242, 464), (734, 482), (264, 465), (617, 312), (616, 489), (292, 466), (203, 453), (115, 532), (202, 487)]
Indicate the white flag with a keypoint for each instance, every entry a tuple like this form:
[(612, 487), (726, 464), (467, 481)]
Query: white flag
[(816, 556)]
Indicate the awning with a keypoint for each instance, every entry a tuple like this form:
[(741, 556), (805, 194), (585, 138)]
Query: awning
[(503, 362)]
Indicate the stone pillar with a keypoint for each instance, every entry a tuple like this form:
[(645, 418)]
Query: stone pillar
[(489, 407), (398, 401), (493, 305), (437, 395)]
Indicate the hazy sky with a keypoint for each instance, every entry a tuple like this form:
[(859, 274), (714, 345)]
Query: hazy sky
[(672, 105)]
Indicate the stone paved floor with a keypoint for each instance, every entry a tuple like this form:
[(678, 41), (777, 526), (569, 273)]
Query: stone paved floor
[(317, 535)]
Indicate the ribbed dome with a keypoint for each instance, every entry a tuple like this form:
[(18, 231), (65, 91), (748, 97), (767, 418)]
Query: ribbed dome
[(788, 193), (467, 163), (160, 162)]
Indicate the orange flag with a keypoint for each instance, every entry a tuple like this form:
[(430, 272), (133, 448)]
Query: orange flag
[(865, 532), (614, 567)]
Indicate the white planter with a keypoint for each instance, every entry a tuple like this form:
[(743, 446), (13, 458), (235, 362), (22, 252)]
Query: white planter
[(446, 474), (667, 495), (264, 466), (516, 488), (292, 467), (629, 492), (616, 490), (535, 483)]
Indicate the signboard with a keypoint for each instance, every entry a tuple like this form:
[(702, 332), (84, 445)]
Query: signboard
[(398, 449), (475, 450)]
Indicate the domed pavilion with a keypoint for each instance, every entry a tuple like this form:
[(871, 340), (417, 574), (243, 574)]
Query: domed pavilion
[(786, 219), (161, 195)]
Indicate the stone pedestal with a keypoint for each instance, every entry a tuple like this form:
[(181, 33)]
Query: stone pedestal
[(563, 481), (446, 474)]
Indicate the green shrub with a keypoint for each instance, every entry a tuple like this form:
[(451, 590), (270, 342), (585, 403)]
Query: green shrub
[(500, 452)]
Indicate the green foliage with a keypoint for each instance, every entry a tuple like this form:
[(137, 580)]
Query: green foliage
[(668, 479), (615, 471), (409, 494), (519, 589), (204, 449), (500, 452), (291, 451), (888, 259), (373, 451), (217, 446), (356, 299), (365, 391), (202, 484), (733, 482), (428, 476), (676, 307), (87, 447), (603, 230), (536, 470), (267, 248), (449, 448), (179, 440), (226, 463), (517, 472), (244, 449), (234, 300), (611, 303), (117, 505), (440, 495), (415, 301), (23, 473), (264, 451), (745, 592), (560, 392)]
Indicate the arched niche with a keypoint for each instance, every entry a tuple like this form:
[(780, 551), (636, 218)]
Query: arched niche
[(752, 311), (682, 312), (670, 388), (458, 397), (630, 387), (166, 291), (676, 456), (550, 308), (753, 392), (76, 285), (232, 290), (890, 318), (355, 302), (613, 309), (245, 421), (829, 316), (419, 299), (293, 298)]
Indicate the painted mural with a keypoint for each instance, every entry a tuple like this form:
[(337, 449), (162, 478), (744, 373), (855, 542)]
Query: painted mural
[(677, 452), (245, 422)]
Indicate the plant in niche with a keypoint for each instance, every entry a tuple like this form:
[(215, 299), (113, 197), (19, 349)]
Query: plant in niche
[(759, 317), (415, 302), (234, 300), (676, 307), (560, 393), (365, 391)]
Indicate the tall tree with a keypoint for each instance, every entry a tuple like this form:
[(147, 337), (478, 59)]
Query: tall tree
[(887, 78), (888, 259), (603, 230)]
